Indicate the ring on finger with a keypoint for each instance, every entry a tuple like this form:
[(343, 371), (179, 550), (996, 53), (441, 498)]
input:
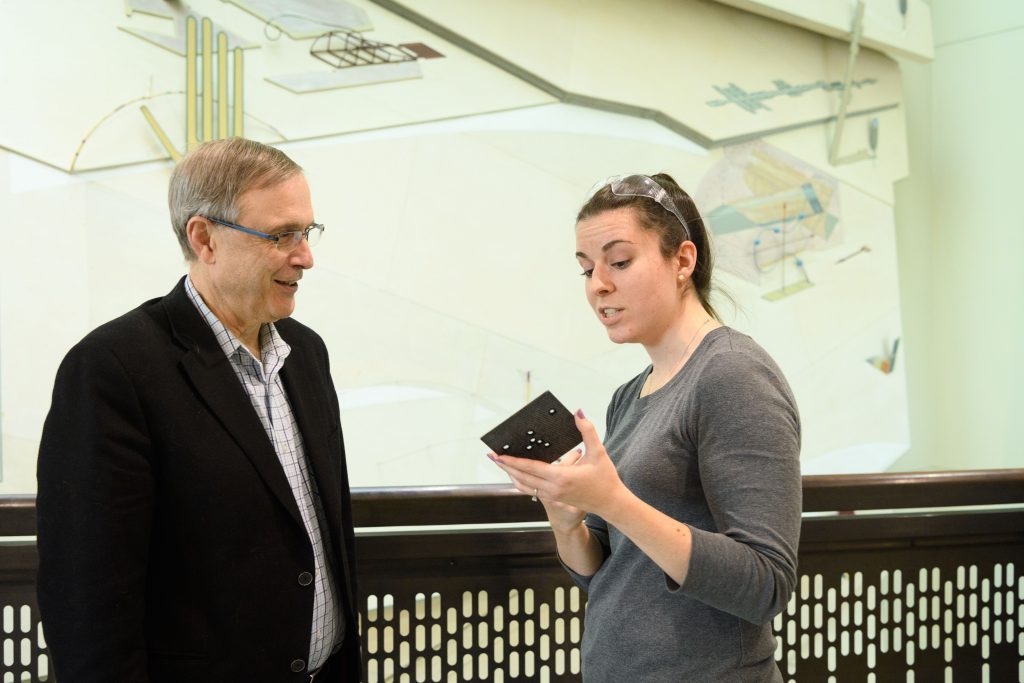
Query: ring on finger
[(534, 496)]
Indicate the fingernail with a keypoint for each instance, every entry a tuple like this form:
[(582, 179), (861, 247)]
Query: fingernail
[(580, 415), (493, 457), (580, 451)]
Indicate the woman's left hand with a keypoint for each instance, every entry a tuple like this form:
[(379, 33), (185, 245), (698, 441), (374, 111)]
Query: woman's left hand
[(589, 483)]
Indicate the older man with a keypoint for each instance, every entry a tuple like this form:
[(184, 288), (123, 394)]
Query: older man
[(194, 520)]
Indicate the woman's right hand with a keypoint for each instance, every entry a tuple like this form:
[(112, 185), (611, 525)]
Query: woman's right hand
[(562, 516), (577, 548), (578, 482)]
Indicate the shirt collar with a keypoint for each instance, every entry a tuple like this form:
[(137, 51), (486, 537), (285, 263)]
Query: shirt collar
[(273, 349)]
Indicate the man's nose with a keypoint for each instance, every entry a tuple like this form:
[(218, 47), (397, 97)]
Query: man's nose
[(302, 255)]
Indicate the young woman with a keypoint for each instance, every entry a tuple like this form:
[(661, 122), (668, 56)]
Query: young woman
[(683, 525)]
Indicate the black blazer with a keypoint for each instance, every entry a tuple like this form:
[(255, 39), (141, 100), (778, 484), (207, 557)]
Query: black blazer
[(170, 543)]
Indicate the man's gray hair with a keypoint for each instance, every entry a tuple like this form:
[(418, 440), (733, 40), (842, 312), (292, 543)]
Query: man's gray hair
[(209, 180)]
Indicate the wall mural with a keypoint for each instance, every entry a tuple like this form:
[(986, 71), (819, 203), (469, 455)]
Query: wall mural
[(307, 67), (767, 208), (754, 101), (179, 13), (306, 18), (356, 61), (675, 41), (209, 112), (808, 248), (206, 117)]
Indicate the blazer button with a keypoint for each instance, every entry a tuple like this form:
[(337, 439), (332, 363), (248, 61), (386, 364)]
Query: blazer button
[(298, 665), (305, 578)]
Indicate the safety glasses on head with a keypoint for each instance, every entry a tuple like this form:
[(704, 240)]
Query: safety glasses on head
[(639, 185)]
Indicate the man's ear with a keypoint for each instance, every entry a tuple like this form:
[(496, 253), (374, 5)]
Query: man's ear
[(200, 237)]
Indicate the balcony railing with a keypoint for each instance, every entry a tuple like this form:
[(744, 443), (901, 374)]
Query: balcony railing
[(912, 576)]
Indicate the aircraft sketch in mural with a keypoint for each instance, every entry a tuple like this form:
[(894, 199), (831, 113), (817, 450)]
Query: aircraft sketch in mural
[(886, 362), (178, 12), (356, 61), (754, 101), (301, 19)]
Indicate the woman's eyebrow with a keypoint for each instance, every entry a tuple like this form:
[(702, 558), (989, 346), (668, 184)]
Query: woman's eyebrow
[(605, 248)]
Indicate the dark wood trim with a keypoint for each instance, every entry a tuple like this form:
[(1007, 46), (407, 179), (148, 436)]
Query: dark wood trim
[(483, 504), (900, 490), (502, 504), (18, 515), (923, 528), (862, 533)]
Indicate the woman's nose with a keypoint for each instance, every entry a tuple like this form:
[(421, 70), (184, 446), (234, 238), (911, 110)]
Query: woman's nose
[(600, 283)]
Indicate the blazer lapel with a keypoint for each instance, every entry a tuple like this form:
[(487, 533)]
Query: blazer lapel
[(299, 377), (300, 373), (216, 383)]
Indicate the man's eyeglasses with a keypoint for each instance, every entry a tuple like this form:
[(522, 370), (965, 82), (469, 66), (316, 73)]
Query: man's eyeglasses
[(285, 241)]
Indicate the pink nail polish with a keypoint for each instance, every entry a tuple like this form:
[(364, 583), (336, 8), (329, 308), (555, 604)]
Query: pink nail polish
[(580, 415), (492, 457)]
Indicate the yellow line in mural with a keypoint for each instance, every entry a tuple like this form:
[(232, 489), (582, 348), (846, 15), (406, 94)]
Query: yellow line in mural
[(194, 99), (190, 83), (239, 129), (164, 140), (207, 79), (222, 86), (106, 117)]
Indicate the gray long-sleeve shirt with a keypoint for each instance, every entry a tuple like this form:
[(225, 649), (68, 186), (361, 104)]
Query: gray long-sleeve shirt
[(717, 448)]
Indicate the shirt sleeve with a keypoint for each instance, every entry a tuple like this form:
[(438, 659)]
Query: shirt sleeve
[(747, 433)]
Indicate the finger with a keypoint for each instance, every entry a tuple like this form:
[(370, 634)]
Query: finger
[(513, 475), (520, 486), (536, 468), (588, 431), (570, 458), (523, 481)]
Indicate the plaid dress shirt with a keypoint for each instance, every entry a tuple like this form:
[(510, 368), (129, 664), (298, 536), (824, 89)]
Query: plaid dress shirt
[(262, 382)]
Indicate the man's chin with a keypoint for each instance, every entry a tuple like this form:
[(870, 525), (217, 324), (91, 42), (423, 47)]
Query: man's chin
[(282, 310)]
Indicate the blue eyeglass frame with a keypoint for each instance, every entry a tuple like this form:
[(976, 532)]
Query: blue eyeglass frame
[(276, 239)]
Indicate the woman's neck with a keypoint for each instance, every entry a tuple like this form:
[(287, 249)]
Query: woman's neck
[(677, 345)]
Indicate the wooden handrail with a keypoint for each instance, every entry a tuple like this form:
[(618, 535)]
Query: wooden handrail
[(502, 504), (901, 490), (889, 550), (18, 515)]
